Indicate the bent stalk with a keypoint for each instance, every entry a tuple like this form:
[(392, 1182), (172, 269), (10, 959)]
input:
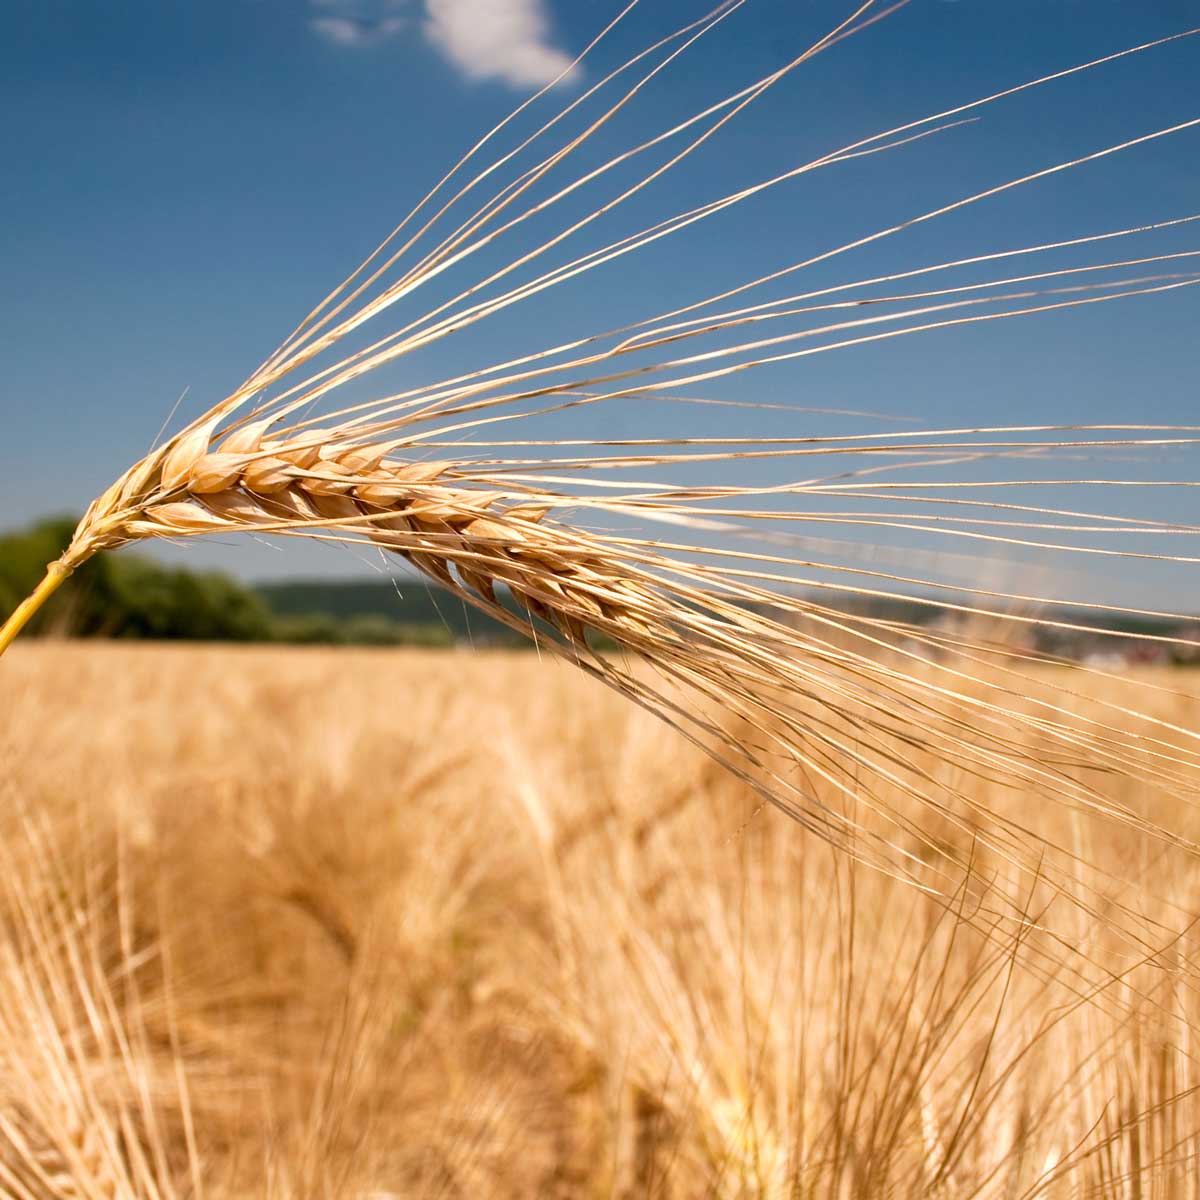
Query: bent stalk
[(55, 574)]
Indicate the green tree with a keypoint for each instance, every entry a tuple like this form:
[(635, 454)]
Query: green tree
[(122, 595)]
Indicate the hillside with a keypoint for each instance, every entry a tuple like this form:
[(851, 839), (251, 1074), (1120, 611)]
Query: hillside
[(412, 603)]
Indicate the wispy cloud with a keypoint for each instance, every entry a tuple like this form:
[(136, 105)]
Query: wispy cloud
[(356, 31), (496, 39), (357, 23)]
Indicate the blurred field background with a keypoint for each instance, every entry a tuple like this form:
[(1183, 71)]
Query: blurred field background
[(305, 922)]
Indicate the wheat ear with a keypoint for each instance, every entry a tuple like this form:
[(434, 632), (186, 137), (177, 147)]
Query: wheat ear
[(249, 482)]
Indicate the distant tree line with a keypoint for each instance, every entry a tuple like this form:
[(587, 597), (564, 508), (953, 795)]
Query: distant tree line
[(123, 595)]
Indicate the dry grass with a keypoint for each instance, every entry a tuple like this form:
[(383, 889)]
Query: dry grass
[(367, 924)]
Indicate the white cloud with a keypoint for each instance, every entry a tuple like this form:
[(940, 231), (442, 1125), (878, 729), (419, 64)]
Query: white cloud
[(496, 39), (485, 39)]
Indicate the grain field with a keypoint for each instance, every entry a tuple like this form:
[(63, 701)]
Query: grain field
[(389, 923)]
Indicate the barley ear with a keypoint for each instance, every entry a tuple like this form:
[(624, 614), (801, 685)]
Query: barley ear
[(55, 574)]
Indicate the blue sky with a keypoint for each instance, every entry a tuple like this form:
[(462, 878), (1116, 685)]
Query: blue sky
[(183, 180)]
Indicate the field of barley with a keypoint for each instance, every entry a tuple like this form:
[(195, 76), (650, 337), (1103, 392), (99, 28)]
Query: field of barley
[(335, 923)]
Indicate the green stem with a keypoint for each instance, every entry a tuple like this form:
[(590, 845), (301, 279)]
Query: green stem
[(55, 574)]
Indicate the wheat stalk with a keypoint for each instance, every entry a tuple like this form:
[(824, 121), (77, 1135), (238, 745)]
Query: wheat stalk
[(831, 707)]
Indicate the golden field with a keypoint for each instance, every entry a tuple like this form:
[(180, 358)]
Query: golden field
[(315, 923)]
